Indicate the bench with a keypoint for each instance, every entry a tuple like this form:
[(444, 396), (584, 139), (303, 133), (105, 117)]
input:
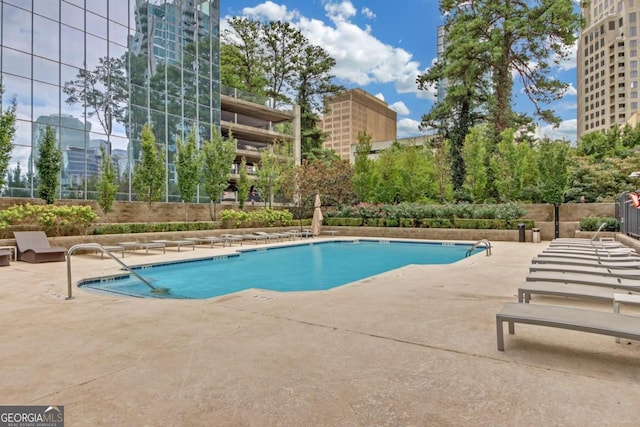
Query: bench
[(566, 290), (597, 322)]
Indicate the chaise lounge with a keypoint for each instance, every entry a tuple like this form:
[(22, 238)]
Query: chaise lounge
[(34, 247), (597, 322)]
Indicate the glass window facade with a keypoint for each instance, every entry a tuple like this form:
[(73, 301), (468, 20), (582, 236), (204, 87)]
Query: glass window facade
[(97, 71)]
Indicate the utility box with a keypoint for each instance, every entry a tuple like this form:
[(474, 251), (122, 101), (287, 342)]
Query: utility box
[(535, 235)]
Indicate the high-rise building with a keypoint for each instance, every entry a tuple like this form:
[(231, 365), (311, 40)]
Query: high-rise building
[(355, 111), (608, 64), (83, 68)]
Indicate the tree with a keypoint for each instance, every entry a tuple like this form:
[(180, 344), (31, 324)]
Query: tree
[(149, 174), (312, 82), (442, 169), (7, 133), (242, 54), (553, 164), (363, 177), (269, 175), (48, 165), (462, 74), (218, 155), (506, 169), (509, 37), (188, 163), (107, 186), (244, 184), (474, 153), (528, 172), (284, 45), (103, 91)]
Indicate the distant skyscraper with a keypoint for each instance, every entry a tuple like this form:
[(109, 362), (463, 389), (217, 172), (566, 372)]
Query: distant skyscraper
[(608, 64), (352, 112)]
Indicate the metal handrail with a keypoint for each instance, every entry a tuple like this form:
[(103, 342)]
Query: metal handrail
[(485, 242), (602, 226), (99, 247)]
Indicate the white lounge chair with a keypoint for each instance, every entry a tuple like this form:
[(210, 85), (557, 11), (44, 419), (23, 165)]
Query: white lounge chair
[(208, 240), (143, 245), (597, 322), (590, 262), (177, 243), (632, 273), (585, 279), (568, 290)]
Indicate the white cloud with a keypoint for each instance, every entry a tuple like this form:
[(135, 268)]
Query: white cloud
[(400, 108), (567, 130), (368, 13), (408, 127), (270, 12), (380, 96), (340, 11)]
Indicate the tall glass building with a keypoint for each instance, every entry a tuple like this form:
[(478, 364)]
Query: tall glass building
[(97, 71)]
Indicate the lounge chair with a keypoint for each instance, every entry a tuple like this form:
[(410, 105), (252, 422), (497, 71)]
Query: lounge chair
[(597, 322), (568, 290), (614, 252), (143, 245), (593, 262), (254, 237), (273, 236), (585, 279), (4, 258), (587, 244), (301, 233), (232, 238), (208, 240), (34, 247), (177, 243), (629, 256), (631, 273)]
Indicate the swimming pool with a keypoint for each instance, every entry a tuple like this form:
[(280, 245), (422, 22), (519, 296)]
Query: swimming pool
[(301, 267)]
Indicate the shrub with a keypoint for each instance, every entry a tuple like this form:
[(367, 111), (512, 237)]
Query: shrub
[(417, 212), (592, 223), (266, 217), (52, 219)]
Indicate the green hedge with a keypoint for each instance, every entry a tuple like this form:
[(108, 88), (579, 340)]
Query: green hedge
[(463, 223), (266, 217), (414, 211), (157, 227), (52, 219)]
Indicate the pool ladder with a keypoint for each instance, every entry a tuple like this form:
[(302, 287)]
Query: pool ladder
[(484, 243), (97, 246)]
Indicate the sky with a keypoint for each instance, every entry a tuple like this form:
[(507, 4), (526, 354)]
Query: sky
[(381, 46)]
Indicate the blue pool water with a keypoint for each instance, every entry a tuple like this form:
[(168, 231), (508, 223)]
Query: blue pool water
[(306, 267)]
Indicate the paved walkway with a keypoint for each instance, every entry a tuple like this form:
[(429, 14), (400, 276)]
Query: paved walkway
[(414, 346)]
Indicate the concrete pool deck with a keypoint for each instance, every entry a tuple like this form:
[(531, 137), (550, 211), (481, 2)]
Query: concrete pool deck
[(414, 346)]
